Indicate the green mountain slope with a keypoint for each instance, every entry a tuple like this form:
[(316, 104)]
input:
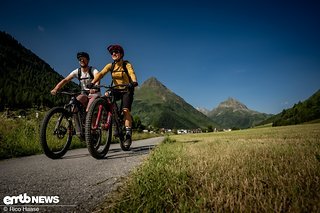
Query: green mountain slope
[(159, 107), (233, 114), (26, 80), (301, 112)]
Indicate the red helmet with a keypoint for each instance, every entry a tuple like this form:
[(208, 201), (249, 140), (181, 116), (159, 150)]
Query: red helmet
[(115, 47)]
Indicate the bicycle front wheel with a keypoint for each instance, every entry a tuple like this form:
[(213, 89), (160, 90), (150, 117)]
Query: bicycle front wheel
[(98, 129), (56, 132)]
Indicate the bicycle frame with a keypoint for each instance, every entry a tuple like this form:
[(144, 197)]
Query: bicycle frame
[(108, 122), (113, 112), (77, 112)]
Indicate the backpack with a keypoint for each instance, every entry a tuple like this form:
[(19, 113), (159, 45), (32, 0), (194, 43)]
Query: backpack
[(90, 73), (124, 66)]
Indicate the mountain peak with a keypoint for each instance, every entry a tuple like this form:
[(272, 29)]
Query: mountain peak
[(158, 106), (231, 113), (232, 103), (153, 83)]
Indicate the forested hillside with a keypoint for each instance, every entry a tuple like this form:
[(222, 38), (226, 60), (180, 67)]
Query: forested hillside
[(301, 112), (26, 80), (306, 111)]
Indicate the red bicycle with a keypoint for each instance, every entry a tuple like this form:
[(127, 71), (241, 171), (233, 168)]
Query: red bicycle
[(103, 115)]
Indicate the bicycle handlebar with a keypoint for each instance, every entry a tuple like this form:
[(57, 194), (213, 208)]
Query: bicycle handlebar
[(71, 93), (110, 87)]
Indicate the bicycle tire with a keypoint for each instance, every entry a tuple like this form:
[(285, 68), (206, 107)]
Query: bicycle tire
[(55, 140), (98, 134)]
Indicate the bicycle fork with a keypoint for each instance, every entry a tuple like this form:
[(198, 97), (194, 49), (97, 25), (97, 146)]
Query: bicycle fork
[(105, 125), (77, 121), (59, 130)]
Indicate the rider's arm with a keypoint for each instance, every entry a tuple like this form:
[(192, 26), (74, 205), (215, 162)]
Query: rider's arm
[(61, 84), (100, 75), (132, 74)]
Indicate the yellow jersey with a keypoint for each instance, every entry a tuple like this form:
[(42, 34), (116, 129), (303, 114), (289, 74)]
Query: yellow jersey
[(119, 75)]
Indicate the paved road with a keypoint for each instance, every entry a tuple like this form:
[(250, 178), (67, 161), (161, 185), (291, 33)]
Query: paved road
[(80, 181)]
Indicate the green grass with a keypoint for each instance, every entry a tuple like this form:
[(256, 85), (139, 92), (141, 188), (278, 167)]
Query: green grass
[(256, 170), (20, 137)]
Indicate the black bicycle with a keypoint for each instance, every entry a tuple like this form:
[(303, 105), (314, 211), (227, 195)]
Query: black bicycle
[(103, 115), (60, 124)]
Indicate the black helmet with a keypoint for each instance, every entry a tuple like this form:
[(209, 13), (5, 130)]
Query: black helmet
[(83, 54), (115, 47)]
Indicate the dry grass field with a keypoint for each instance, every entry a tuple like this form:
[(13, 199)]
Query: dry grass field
[(272, 169)]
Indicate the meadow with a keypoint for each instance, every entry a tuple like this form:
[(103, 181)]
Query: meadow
[(271, 169), (20, 136)]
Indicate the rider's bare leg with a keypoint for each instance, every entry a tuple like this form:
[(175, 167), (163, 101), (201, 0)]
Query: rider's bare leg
[(127, 121)]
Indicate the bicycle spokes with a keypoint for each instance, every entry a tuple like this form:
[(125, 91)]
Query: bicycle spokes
[(60, 130), (56, 132)]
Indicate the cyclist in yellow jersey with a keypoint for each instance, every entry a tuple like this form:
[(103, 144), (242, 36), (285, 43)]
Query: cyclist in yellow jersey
[(122, 73)]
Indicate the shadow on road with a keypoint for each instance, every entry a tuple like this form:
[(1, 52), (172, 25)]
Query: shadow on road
[(75, 156), (134, 151), (117, 153)]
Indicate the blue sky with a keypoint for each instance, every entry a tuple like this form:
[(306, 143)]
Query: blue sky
[(264, 53)]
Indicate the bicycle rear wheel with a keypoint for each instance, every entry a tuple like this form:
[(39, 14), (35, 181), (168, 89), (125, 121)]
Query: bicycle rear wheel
[(56, 132), (98, 129)]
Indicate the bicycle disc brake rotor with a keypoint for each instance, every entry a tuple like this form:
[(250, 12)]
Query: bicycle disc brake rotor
[(60, 132)]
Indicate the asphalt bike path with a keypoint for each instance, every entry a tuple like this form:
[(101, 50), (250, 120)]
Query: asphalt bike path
[(75, 183)]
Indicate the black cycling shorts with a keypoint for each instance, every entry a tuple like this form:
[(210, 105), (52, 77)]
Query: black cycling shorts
[(127, 98)]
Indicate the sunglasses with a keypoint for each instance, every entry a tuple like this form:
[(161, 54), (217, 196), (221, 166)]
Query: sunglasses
[(81, 59), (115, 51)]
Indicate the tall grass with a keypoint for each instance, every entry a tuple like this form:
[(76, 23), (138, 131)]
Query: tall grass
[(20, 137), (256, 170)]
